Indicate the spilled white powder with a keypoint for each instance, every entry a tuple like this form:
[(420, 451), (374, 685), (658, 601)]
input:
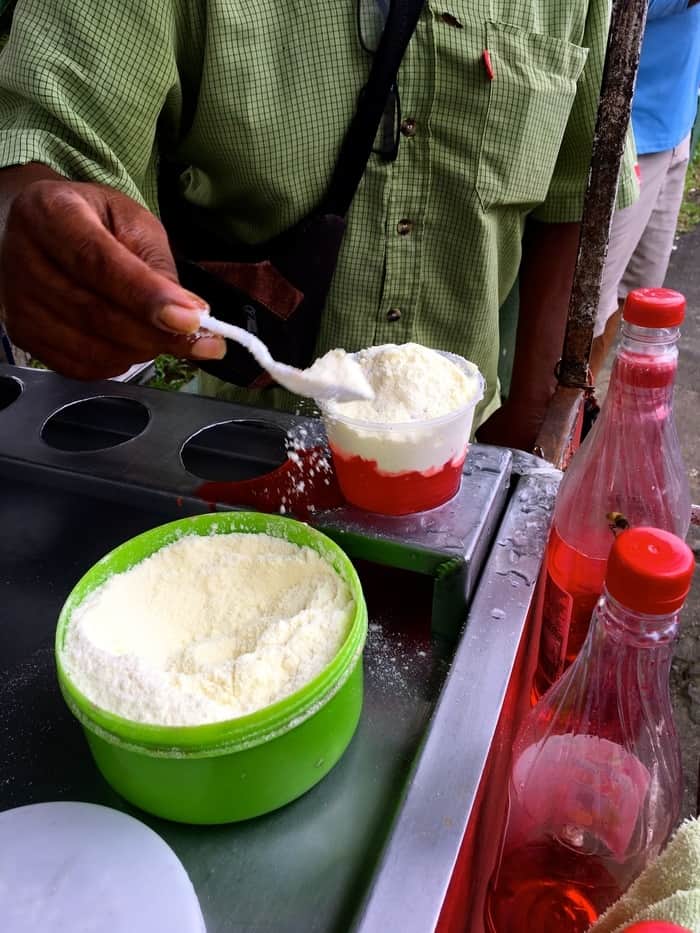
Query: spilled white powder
[(410, 383), (208, 628)]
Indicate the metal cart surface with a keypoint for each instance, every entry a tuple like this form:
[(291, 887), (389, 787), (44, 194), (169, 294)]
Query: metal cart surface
[(374, 845)]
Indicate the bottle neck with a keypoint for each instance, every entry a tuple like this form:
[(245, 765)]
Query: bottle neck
[(646, 359), (649, 339), (631, 629)]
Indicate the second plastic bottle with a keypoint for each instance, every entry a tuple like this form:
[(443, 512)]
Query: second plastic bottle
[(595, 784)]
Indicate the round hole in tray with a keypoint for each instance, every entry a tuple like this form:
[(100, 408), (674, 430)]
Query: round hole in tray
[(95, 424), (10, 391), (235, 450)]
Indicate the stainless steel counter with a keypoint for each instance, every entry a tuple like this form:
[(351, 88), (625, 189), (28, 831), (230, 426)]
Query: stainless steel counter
[(373, 846)]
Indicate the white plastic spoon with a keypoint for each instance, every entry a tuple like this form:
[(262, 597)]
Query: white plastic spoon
[(333, 376)]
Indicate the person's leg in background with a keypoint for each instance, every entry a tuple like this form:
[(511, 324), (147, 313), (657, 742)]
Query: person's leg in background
[(508, 326), (603, 343), (626, 230), (649, 263), (641, 241)]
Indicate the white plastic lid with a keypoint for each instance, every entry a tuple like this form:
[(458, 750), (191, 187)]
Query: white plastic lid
[(73, 867)]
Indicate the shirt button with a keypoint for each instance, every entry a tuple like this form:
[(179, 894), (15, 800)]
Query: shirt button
[(404, 227), (450, 20), (408, 127), (393, 314)]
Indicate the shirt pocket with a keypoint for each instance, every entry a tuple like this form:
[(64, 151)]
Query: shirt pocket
[(532, 91)]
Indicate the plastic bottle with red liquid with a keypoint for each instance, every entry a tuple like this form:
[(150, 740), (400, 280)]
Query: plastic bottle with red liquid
[(628, 470), (596, 785)]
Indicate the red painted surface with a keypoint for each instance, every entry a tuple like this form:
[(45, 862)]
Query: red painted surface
[(464, 905), (299, 487)]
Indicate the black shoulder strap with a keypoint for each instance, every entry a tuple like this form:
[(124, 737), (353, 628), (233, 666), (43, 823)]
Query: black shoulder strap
[(359, 138)]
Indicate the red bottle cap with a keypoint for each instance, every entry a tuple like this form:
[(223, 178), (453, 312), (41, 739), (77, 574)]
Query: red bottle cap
[(654, 307), (655, 926), (649, 571)]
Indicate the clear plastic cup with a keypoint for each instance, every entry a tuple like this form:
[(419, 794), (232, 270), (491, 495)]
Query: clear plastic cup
[(397, 469)]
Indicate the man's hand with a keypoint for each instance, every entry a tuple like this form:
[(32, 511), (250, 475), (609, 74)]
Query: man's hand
[(87, 281)]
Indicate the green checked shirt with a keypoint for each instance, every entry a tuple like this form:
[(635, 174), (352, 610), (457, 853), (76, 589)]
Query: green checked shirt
[(255, 96)]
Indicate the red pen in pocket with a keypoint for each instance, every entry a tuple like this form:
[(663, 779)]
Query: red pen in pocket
[(488, 65)]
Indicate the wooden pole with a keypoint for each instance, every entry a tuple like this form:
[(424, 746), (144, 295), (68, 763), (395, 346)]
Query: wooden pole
[(557, 436)]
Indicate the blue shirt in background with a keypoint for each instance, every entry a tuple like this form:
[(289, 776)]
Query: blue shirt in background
[(666, 96)]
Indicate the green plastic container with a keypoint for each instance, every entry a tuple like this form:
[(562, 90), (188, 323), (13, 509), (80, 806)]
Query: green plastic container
[(238, 768)]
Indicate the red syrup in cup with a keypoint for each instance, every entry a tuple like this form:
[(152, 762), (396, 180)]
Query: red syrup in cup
[(402, 468), (362, 481)]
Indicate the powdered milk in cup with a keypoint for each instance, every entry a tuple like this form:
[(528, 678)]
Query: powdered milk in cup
[(403, 451)]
